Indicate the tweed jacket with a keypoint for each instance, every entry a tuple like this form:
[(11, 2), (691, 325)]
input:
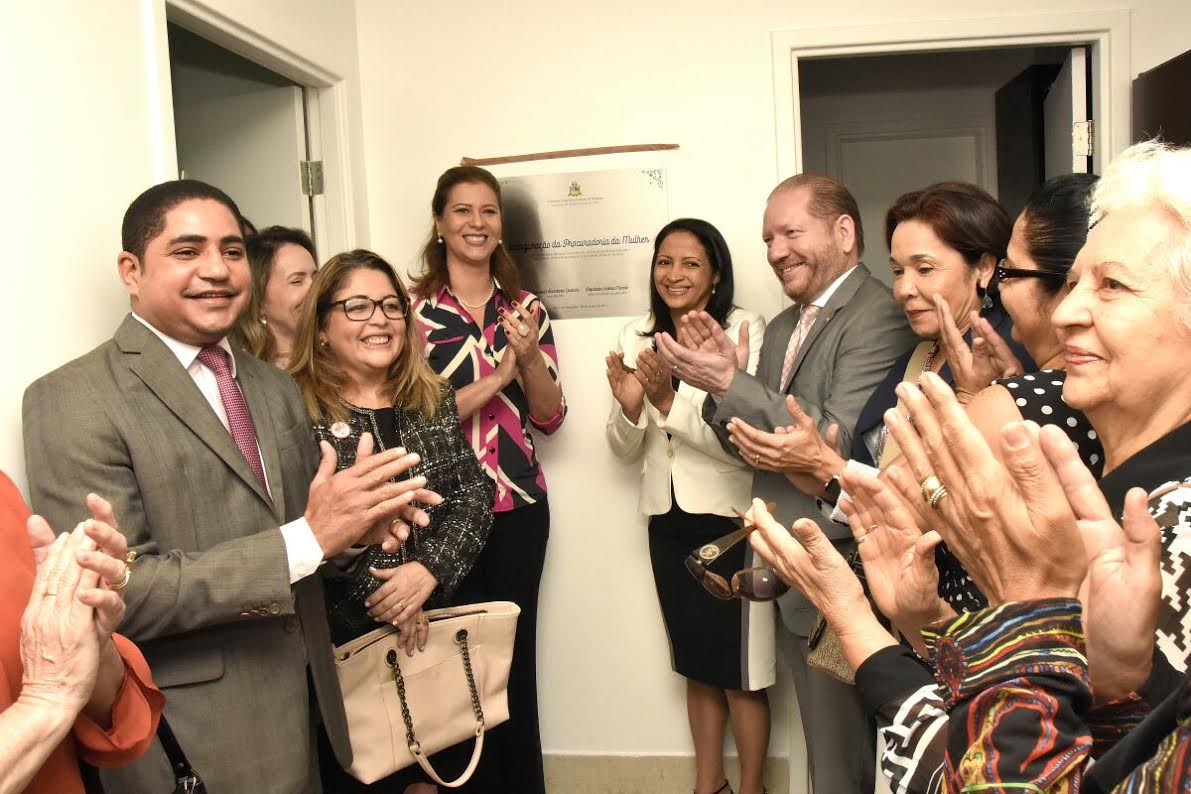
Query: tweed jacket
[(458, 528), (210, 604)]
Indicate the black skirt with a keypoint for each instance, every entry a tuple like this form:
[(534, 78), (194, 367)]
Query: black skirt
[(708, 636)]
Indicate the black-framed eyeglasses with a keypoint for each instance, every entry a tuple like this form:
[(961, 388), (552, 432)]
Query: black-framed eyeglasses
[(360, 309), (1003, 273), (755, 584)]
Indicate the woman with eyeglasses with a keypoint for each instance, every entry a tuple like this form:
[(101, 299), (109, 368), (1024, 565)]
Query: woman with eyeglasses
[(1032, 280), (358, 363), (724, 648)]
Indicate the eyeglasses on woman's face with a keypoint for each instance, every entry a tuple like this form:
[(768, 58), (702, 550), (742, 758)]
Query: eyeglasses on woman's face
[(360, 309), (755, 584), (1003, 273)]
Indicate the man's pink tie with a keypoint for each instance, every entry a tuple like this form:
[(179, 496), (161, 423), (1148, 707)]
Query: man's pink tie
[(805, 321), (239, 419)]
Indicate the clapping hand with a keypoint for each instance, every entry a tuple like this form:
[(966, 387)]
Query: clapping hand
[(707, 359), (898, 558), (1020, 528), (626, 389), (653, 373), (363, 502), (986, 360), (988, 512), (796, 449), (520, 325), (61, 636)]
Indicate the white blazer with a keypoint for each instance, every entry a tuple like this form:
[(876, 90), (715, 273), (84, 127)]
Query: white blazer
[(706, 478)]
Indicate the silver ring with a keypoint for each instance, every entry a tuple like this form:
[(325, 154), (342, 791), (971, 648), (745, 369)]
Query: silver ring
[(121, 585), (757, 458)]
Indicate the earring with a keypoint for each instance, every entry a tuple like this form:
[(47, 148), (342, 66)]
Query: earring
[(263, 320), (500, 241), (713, 289), (322, 343), (440, 239), (987, 303)]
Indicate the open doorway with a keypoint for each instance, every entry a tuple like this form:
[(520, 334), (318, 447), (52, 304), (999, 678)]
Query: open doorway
[(1002, 118), (241, 127)]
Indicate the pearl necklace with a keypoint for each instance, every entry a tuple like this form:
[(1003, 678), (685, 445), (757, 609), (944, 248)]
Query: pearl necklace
[(483, 303)]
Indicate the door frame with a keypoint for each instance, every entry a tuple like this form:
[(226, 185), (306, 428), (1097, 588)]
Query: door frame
[(1106, 32), (327, 131)]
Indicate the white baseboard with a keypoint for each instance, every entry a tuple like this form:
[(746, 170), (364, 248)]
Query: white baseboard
[(636, 774)]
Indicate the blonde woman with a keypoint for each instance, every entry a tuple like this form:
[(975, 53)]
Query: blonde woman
[(359, 366)]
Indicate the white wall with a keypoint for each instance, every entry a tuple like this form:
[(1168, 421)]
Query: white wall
[(475, 79), (88, 129), (84, 135)]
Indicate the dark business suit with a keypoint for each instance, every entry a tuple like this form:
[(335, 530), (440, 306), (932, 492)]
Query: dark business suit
[(209, 602), (859, 332)]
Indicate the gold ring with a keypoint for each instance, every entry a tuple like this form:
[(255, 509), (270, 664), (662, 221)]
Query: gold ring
[(862, 538), (929, 486), (873, 528), (523, 329), (400, 606), (49, 594), (757, 459), (122, 584), (937, 497), (130, 558)]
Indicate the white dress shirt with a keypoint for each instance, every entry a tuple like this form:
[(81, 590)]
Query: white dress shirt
[(826, 294), (302, 551)]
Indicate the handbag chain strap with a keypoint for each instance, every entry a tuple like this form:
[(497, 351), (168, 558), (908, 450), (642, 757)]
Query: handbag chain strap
[(395, 668)]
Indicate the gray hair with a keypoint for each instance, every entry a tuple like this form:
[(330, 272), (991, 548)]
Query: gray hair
[(1156, 176)]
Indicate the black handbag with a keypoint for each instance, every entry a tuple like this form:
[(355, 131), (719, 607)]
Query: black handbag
[(186, 780)]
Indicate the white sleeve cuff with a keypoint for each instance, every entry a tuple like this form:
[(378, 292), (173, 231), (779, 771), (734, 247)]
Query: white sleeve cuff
[(302, 551), (833, 512)]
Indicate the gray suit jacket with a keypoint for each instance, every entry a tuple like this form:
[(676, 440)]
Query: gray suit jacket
[(849, 349), (209, 603)]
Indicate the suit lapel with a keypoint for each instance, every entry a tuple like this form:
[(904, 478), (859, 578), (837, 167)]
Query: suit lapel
[(158, 368), (838, 300), (266, 439)]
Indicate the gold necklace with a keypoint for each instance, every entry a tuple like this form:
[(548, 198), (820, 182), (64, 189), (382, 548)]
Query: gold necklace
[(483, 303)]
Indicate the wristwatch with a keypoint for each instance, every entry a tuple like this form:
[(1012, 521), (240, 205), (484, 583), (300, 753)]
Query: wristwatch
[(832, 490)]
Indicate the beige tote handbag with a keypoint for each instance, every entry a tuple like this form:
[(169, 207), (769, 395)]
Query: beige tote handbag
[(401, 708)]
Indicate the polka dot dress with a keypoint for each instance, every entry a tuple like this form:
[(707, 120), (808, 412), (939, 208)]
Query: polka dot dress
[(1039, 398)]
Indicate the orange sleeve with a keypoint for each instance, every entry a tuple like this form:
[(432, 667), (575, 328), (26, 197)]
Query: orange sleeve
[(134, 715)]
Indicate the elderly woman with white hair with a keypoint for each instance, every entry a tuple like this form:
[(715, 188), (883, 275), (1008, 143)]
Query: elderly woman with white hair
[(1125, 327)]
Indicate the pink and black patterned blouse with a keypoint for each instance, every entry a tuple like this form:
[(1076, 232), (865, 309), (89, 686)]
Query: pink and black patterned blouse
[(463, 353)]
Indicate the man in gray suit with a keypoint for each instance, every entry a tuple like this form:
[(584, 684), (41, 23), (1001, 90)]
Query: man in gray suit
[(207, 456), (830, 350)]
